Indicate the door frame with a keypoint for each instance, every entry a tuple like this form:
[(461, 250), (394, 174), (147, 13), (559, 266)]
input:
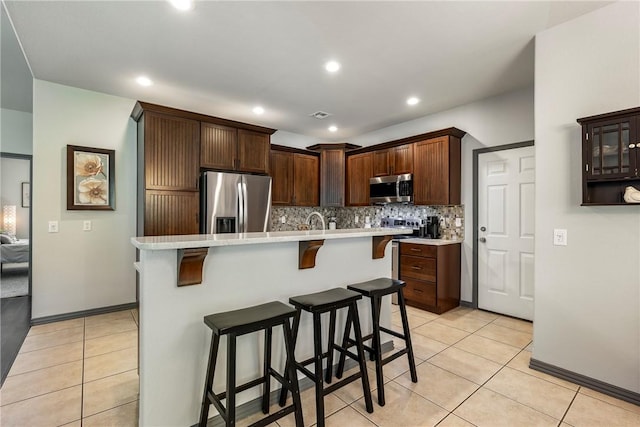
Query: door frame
[(476, 155), (28, 157)]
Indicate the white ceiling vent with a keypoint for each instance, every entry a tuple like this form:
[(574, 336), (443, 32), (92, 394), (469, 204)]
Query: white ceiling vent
[(320, 115)]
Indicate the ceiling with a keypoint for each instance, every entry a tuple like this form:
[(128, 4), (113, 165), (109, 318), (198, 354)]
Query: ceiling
[(224, 58)]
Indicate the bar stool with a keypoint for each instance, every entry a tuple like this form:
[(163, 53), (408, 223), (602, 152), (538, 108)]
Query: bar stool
[(375, 290), (240, 322), (317, 304)]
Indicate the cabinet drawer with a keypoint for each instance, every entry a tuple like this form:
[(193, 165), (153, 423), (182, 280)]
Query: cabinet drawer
[(418, 250), (418, 268), (419, 291)]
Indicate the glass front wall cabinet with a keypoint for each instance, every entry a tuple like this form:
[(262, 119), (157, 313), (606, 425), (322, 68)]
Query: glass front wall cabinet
[(611, 156)]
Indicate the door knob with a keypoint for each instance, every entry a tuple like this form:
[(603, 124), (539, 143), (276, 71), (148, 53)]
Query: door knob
[(483, 228), (482, 239)]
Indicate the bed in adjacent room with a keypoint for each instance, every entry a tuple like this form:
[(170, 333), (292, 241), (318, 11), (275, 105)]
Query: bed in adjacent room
[(16, 252)]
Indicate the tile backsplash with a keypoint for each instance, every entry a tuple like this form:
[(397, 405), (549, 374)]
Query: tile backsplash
[(345, 216)]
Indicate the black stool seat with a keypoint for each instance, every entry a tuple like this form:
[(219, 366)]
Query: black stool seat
[(239, 322), (325, 300), (249, 319), (379, 287), (376, 289), (330, 301)]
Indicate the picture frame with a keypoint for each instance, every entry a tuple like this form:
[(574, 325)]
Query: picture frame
[(26, 194), (90, 178)]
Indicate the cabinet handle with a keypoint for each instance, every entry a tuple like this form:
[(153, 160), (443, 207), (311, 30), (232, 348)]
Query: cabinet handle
[(417, 290), (415, 250), (632, 145), (416, 267)]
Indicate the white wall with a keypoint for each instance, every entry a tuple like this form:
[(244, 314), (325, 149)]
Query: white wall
[(78, 270), (14, 172), (587, 311), (16, 132), (499, 120)]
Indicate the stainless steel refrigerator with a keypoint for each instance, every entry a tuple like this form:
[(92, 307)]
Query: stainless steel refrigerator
[(236, 203)]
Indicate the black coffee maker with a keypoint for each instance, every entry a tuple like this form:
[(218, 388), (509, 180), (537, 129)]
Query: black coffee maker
[(431, 227)]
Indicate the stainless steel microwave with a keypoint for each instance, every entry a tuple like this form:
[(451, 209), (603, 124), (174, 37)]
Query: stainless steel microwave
[(391, 189)]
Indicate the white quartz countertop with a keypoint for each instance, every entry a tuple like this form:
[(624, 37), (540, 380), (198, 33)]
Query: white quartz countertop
[(433, 242), (159, 243)]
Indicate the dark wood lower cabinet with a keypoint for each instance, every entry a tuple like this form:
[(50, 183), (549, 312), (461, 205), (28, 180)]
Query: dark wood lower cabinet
[(432, 274)]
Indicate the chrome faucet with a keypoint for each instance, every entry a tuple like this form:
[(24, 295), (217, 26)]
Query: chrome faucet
[(308, 220)]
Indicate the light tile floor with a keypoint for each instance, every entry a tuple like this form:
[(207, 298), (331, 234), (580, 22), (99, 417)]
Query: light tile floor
[(80, 372), (472, 370)]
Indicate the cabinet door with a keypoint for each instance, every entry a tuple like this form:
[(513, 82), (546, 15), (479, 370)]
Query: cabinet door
[(431, 172), (281, 178), (609, 152), (171, 212), (359, 171), (171, 152), (218, 146), (402, 159), (253, 151), (381, 163), (332, 177), (305, 180)]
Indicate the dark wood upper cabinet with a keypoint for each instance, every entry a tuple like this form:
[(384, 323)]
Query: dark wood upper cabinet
[(218, 146), (171, 152), (359, 171), (281, 178), (295, 177), (393, 161), (306, 169), (610, 156), (436, 175), (332, 172), (253, 151)]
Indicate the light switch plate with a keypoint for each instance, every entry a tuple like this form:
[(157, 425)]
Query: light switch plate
[(560, 237), (53, 226), (86, 225)]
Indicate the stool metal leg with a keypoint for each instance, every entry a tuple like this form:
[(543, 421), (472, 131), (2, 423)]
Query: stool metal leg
[(319, 383), (231, 380), (208, 382), (266, 370), (407, 336), (377, 347), (291, 373), (330, 345), (361, 357)]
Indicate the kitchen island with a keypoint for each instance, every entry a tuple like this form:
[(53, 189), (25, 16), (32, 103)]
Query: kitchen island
[(237, 270)]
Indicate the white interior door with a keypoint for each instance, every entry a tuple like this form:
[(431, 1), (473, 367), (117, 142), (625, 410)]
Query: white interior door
[(506, 231)]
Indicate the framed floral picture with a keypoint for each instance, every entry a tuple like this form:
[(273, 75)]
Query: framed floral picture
[(90, 178)]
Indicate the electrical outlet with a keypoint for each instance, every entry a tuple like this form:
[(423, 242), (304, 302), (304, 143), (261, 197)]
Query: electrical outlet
[(356, 219), (53, 226), (86, 225), (283, 219), (559, 237), (458, 222)]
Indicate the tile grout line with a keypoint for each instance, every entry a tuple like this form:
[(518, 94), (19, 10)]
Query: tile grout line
[(568, 407), (84, 330)]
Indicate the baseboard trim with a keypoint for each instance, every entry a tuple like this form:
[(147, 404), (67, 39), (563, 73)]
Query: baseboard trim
[(83, 313), (255, 405), (592, 383), (467, 304)]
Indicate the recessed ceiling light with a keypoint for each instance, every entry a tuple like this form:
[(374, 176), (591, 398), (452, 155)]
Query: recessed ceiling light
[(332, 66), (333, 128), (182, 4), (258, 110), (413, 100), (144, 81)]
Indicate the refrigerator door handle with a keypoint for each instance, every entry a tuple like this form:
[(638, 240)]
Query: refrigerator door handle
[(245, 215), (240, 228)]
